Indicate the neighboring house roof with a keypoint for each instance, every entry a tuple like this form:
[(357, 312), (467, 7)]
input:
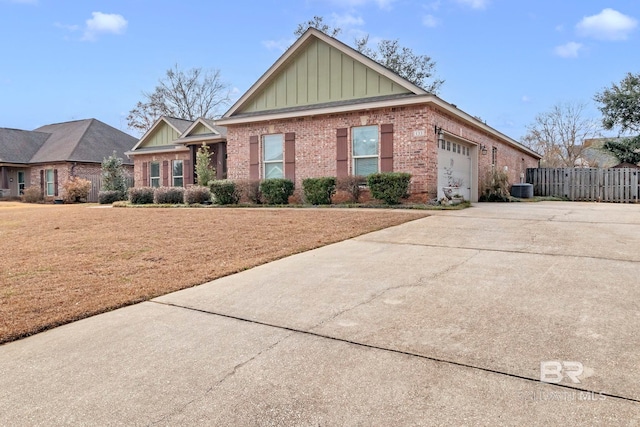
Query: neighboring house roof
[(19, 146), (626, 165), (288, 88), (87, 140)]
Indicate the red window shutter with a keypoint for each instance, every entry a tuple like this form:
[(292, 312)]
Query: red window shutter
[(55, 182), (386, 148), (165, 173), (342, 152), (42, 181), (187, 170), (254, 158), (145, 174), (221, 166), (290, 156)]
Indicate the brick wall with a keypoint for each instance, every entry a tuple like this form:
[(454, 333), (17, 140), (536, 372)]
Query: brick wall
[(139, 159), (414, 142), (67, 170)]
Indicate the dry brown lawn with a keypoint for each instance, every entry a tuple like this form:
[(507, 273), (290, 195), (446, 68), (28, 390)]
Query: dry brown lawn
[(61, 263)]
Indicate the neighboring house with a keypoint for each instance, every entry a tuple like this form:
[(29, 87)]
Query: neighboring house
[(166, 153), (324, 109), (593, 155), (48, 156)]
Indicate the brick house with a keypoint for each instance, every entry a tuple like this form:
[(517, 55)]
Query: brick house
[(166, 153), (49, 155), (324, 109)]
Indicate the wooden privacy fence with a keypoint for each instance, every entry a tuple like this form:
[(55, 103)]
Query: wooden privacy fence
[(96, 185), (586, 184)]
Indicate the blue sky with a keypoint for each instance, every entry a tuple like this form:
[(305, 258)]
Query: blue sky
[(502, 60)]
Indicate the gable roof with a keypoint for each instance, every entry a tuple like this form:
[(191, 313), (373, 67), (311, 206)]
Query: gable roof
[(207, 124), (389, 83), (241, 113), (87, 140), (19, 146), (178, 125)]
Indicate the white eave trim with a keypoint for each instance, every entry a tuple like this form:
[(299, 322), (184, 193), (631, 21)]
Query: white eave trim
[(160, 150)]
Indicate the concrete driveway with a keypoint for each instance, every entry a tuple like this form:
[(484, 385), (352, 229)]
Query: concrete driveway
[(448, 320)]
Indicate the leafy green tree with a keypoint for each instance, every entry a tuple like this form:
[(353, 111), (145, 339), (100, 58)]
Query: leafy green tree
[(114, 177), (625, 149), (621, 105), (204, 171)]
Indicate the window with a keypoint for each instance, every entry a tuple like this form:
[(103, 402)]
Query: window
[(448, 146), (49, 180), (178, 175), (365, 150), (494, 156), (21, 182), (272, 156), (154, 174)]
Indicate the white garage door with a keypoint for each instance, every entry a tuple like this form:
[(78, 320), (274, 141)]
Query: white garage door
[(455, 168)]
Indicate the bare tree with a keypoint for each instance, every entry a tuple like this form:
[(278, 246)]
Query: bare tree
[(183, 94), (559, 134), (318, 23)]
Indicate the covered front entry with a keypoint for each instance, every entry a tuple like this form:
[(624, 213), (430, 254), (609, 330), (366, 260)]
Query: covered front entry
[(457, 168), (13, 181)]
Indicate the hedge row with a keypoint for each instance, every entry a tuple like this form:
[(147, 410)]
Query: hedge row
[(388, 187)]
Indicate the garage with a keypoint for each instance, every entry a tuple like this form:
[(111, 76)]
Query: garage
[(457, 167)]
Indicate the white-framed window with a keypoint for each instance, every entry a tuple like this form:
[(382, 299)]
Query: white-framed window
[(21, 183), (272, 156), (177, 168), (49, 178), (154, 174), (365, 140)]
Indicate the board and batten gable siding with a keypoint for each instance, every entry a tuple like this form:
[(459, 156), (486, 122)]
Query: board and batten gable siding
[(163, 135), (200, 130), (321, 73)]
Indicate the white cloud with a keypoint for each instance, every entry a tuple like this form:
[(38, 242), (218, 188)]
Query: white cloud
[(526, 99), (346, 21), (474, 4), (434, 5), (280, 45), (607, 25), (430, 21), (102, 23), (347, 4), (569, 50)]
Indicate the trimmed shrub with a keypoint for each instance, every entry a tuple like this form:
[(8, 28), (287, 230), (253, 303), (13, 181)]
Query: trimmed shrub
[(276, 191), (224, 192), (168, 196), (351, 185), (32, 194), (389, 187), (197, 194), (110, 196), (495, 186), (141, 195), (249, 191), (318, 191), (76, 190)]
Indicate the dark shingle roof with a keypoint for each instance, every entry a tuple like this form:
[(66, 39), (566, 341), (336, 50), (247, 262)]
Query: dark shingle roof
[(83, 141), (181, 124), (19, 146)]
